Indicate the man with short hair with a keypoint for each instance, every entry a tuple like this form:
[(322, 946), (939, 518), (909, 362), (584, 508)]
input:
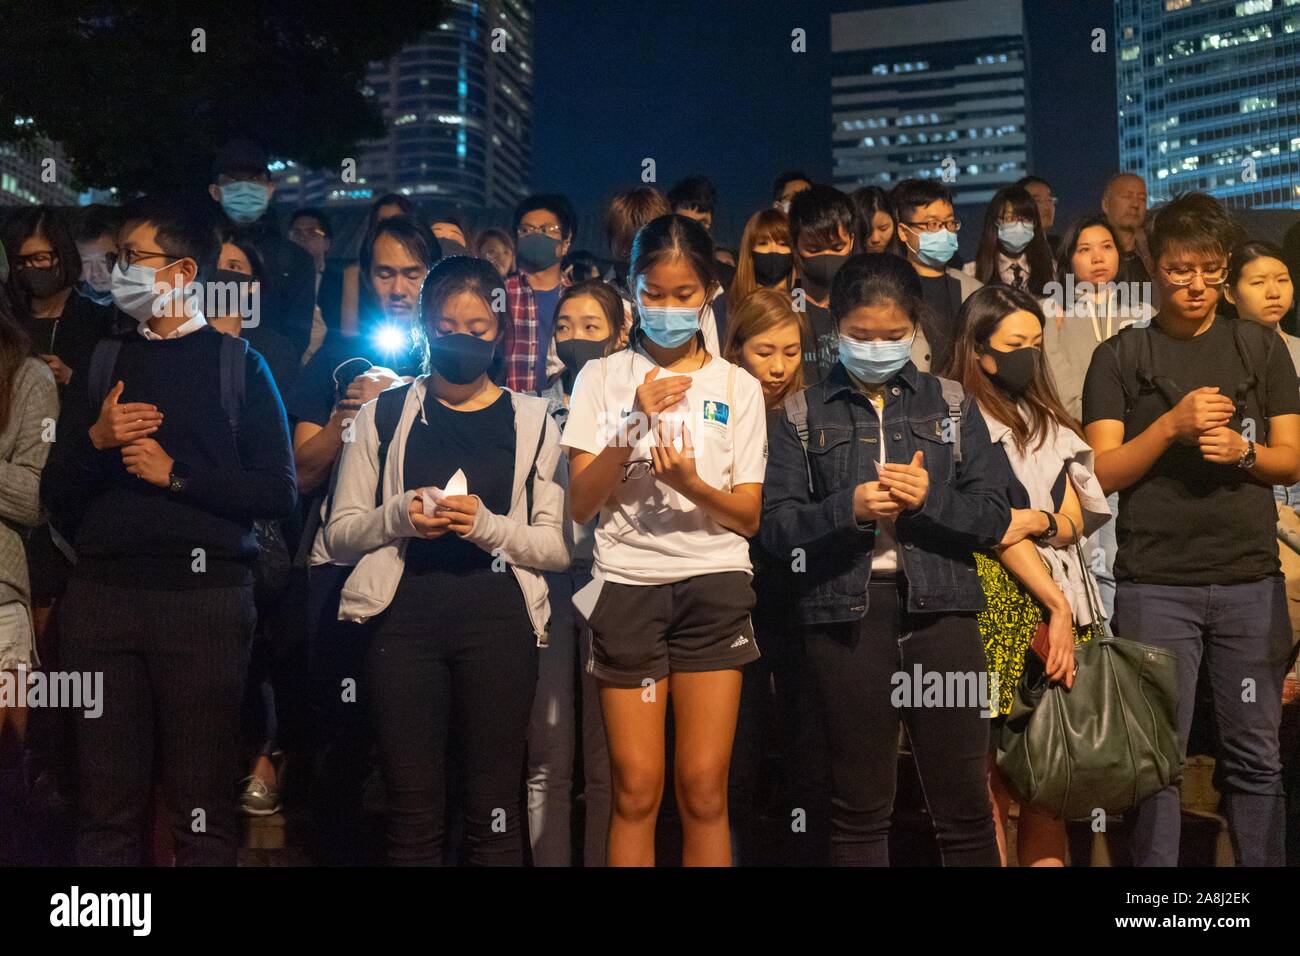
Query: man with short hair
[(1124, 201), (168, 482), (822, 221), (1193, 419), (340, 378), (787, 186), (243, 188), (544, 231), (311, 230), (927, 228), (95, 233), (1045, 200)]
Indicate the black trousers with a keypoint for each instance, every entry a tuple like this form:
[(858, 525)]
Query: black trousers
[(456, 656), (860, 671), (172, 665)]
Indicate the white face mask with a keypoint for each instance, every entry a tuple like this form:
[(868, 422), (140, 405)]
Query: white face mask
[(133, 293)]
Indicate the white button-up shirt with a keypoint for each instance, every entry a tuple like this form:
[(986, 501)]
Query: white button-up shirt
[(182, 330)]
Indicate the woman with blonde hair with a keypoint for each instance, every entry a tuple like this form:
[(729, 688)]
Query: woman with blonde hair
[(765, 260), (764, 337)]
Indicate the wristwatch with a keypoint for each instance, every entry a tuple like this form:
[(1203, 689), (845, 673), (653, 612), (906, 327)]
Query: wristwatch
[(179, 477), (1247, 459), (1050, 533)]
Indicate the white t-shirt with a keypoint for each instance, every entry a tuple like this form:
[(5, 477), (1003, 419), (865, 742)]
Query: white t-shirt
[(647, 532), (884, 553)]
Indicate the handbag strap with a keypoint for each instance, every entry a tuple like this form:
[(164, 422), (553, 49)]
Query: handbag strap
[(1098, 630)]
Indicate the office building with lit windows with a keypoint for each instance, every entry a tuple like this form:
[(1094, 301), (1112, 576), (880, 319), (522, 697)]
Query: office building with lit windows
[(1209, 98), (23, 178), (920, 88), (458, 106)]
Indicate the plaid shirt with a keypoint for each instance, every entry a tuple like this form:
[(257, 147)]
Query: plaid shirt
[(525, 365)]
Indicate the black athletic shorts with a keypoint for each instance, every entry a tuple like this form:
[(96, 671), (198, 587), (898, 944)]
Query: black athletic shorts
[(650, 630)]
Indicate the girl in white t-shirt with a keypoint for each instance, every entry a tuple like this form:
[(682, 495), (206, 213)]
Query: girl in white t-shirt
[(668, 443)]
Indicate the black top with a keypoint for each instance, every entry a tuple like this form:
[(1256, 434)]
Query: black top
[(313, 394), (943, 295), (289, 285), (72, 336), (479, 443), (132, 533), (822, 351), (1188, 521)]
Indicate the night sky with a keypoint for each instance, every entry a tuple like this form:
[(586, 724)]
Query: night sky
[(712, 86)]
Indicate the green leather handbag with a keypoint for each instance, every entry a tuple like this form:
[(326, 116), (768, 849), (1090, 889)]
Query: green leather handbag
[(1106, 744)]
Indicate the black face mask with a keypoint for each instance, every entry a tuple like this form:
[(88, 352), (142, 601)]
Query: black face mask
[(40, 283), (461, 358), (771, 267), (450, 247), (820, 269), (575, 353), (1016, 369)]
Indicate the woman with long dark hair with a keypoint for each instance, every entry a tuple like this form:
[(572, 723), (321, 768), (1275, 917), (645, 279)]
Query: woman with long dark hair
[(665, 442), (29, 406), (1055, 501), (45, 268), (1013, 249), (462, 494), (877, 222)]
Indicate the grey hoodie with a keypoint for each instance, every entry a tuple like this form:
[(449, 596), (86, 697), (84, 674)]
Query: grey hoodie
[(374, 539)]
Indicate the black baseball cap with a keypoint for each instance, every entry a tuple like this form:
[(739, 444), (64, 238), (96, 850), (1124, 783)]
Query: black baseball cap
[(239, 156)]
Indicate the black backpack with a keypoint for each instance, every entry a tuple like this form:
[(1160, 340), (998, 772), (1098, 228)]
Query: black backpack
[(1133, 351)]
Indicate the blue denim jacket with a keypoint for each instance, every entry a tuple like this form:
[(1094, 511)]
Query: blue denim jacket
[(966, 508)]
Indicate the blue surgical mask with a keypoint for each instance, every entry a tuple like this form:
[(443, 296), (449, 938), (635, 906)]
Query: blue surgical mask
[(244, 202), (669, 327), (875, 362), (133, 292), (936, 248), (1015, 236), (95, 295)]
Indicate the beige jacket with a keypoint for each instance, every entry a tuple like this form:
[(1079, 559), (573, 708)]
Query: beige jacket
[(374, 538)]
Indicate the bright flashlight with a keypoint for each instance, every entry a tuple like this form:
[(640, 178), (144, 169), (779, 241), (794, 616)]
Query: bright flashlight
[(392, 339)]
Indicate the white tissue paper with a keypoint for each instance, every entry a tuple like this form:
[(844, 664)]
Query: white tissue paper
[(433, 497)]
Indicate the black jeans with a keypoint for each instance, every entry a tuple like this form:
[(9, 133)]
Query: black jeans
[(790, 719), (172, 664), (860, 670), (344, 738), (1243, 634), (470, 670)]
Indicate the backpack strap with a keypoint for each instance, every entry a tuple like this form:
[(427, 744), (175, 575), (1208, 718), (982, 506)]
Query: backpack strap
[(1254, 381), (532, 472), (99, 377), (954, 395), (388, 412), (1133, 351), (796, 413), (234, 356)]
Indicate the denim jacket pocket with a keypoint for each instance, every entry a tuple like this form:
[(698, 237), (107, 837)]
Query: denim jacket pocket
[(829, 449), (933, 437)]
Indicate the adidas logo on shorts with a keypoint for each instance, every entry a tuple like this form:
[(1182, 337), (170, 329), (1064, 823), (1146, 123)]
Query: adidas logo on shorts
[(740, 641)]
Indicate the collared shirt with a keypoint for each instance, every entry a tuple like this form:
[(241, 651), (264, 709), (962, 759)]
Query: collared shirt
[(522, 364), (182, 330)]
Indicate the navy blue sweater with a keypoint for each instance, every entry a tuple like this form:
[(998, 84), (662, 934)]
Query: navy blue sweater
[(134, 534)]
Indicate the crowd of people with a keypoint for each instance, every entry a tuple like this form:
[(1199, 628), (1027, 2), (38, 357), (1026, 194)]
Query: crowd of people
[(484, 526)]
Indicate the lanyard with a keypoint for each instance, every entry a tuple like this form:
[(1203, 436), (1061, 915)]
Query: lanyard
[(1096, 331)]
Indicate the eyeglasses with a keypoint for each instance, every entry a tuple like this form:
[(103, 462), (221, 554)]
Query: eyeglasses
[(528, 230), (302, 235), (934, 225), (129, 257), (1185, 276), (1014, 220), (637, 469), (37, 260)]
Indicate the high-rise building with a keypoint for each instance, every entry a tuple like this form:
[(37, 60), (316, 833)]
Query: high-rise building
[(458, 106), (930, 90), (1209, 97), (35, 173)]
